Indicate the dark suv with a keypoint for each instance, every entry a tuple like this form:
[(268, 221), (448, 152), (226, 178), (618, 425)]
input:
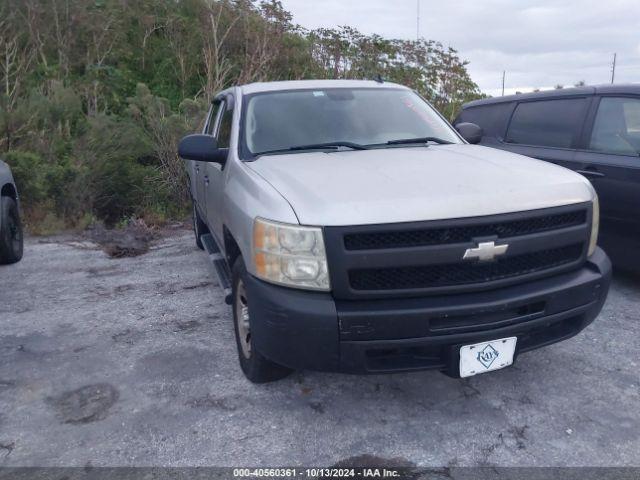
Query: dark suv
[(11, 242), (594, 131)]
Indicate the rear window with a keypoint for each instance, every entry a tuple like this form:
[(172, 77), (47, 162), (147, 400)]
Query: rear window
[(548, 123)]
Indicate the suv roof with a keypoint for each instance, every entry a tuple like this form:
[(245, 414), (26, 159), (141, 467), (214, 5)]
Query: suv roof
[(590, 90), (320, 84)]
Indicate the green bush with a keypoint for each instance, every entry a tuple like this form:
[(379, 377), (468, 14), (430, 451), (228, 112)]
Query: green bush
[(111, 172), (119, 189), (29, 174), (64, 183), (125, 175), (54, 185)]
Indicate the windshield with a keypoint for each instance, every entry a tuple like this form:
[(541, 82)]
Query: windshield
[(276, 121)]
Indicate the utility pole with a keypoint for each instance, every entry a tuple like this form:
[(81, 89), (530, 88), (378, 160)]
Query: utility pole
[(613, 68), (418, 20), (504, 72)]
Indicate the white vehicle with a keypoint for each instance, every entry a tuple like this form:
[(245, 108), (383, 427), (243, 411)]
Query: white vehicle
[(357, 231)]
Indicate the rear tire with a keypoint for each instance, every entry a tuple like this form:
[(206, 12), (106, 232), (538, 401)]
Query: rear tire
[(199, 227), (11, 236), (255, 367)]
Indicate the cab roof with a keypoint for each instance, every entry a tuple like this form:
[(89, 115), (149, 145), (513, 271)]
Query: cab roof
[(313, 84)]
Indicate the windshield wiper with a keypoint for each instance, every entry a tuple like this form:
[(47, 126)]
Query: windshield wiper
[(317, 146), (407, 141)]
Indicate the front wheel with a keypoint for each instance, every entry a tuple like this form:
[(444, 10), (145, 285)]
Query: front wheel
[(255, 367), (11, 238)]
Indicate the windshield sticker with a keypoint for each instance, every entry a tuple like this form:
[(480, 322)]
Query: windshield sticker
[(429, 120), (318, 94)]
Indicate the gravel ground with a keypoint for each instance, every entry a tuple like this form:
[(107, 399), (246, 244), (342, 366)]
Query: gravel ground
[(131, 361)]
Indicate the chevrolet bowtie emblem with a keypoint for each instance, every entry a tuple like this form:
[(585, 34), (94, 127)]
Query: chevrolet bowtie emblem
[(485, 252)]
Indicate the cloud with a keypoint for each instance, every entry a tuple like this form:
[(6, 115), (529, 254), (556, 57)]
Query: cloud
[(538, 43)]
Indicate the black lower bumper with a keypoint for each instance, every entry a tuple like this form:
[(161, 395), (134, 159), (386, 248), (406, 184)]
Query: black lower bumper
[(308, 330)]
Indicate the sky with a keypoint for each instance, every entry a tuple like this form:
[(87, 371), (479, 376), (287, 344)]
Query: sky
[(539, 43)]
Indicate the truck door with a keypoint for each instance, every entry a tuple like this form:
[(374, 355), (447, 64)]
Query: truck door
[(199, 168), (214, 172), (611, 160)]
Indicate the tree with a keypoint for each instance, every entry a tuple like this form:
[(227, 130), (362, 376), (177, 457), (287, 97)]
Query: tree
[(217, 66), (437, 73), (97, 93), (15, 57), (164, 128)]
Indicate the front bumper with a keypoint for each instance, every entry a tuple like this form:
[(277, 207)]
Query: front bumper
[(310, 330)]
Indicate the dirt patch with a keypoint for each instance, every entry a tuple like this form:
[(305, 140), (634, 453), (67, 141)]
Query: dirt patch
[(405, 469), (120, 289), (186, 326), (177, 364), (6, 384), (131, 241), (87, 404), (197, 285), (7, 447), (209, 402), (109, 271), (373, 461), (127, 337), (519, 435), (468, 390)]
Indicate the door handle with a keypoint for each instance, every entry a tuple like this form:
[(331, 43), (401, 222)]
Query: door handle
[(591, 173), (206, 180), (197, 168)]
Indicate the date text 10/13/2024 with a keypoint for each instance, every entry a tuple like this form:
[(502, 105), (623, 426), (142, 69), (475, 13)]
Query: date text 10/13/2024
[(315, 473)]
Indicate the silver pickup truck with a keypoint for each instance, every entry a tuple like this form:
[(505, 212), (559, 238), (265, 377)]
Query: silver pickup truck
[(354, 230), (11, 241)]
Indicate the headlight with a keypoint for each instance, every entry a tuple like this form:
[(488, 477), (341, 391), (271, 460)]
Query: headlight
[(290, 255), (595, 225)]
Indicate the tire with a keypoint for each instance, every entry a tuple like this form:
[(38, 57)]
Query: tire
[(11, 236), (199, 227), (254, 365)]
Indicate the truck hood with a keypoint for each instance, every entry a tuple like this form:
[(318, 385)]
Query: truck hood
[(416, 183)]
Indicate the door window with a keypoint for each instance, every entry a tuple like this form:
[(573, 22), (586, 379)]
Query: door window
[(224, 130), (214, 114), (547, 123), (617, 126)]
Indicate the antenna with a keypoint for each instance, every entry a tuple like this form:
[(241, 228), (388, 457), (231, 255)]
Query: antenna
[(418, 20), (613, 68), (504, 73)]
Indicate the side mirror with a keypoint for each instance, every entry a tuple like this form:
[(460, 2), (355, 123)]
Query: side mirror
[(201, 148), (471, 132)]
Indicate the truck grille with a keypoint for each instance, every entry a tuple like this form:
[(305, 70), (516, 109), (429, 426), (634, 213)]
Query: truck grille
[(462, 273), (457, 234), (422, 258)]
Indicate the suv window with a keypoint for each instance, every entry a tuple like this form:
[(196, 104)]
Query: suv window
[(492, 118), (617, 126), (224, 130), (547, 123)]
